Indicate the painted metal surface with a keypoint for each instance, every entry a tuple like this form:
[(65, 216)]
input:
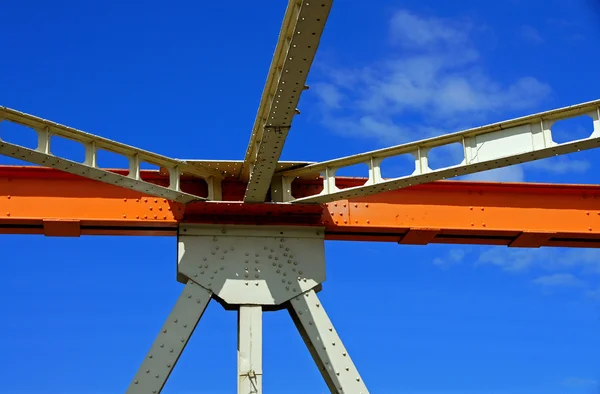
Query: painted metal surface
[(170, 342), (296, 47), (483, 148), (325, 345), (43, 155), (45, 201), (246, 265), (250, 369)]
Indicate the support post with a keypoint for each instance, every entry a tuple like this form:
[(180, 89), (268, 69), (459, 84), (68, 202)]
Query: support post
[(170, 342), (250, 349), (252, 267)]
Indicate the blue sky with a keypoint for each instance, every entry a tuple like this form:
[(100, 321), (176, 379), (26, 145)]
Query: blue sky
[(185, 80)]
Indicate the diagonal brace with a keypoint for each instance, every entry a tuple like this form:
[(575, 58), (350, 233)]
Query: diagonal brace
[(172, 339)]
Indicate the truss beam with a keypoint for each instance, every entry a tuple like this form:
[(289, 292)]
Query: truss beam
[(484, 148), (251, 267), (299, 38), (172, 339), (45, 201), (44, 156), (325, 345)]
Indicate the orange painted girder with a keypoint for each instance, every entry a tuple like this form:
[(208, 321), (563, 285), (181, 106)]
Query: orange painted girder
[(45, 201)]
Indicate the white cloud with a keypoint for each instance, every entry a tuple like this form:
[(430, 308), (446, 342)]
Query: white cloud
[(579, 382), (432, 82), (412, 30), (559, 165), (504, 174), (531, 34), (559, 280), (454, 256)]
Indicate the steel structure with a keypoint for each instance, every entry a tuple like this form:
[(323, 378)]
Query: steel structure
[(251, 233)]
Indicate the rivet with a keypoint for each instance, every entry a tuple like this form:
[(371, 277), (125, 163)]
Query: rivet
[(472, 224), (150, 208), (160, 208), (124, 216), (155, 200), (587, 213), (256, 283), (123, 199), (483, 224), (7, 213), (137, 216), (471, 208), (247, 253), (590, 228), (366, 205), (368, 221), (155, 216), (482, 208), (164, 200), (300, 272), (145, 200)]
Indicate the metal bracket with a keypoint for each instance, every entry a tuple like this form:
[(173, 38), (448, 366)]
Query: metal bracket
[(251, 267)]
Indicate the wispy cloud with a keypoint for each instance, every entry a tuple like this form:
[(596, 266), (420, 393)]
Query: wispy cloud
[(575, 382), (548, 268), (531, 34), (559, 280), (432, 82)]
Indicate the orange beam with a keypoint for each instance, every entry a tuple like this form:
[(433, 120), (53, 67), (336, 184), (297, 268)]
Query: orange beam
[(37, 200)]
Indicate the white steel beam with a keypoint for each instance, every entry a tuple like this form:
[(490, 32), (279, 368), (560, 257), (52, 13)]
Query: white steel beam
[(172, 339), (250, 349), (43, 155), (325, 345), (299, 38), (488, 147)]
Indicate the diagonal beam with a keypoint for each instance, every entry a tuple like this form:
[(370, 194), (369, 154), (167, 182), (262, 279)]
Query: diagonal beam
[(43, 155), (484, 148), (299, 38)]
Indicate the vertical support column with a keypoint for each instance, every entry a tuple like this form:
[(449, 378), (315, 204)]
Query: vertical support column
[(325, 345), (173, 336), (250, 349)]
